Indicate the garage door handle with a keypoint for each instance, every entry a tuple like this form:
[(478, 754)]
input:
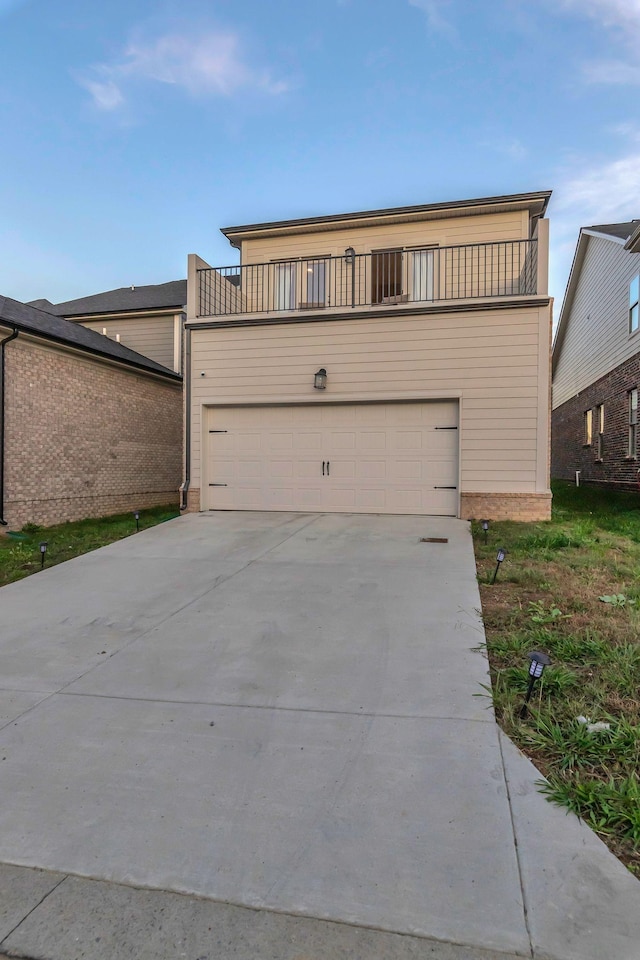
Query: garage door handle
[(323, 468), (445, 488), (328, 467)]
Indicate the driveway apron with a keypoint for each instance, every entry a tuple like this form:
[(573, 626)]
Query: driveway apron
[(285, 712)]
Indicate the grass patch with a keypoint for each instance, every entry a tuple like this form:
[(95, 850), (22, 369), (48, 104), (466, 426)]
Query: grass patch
[(571, 587), (20, 554)]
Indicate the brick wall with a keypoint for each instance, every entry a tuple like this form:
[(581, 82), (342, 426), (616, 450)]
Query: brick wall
[(193, 500), (524, 507), (568, 453), (85, 438)]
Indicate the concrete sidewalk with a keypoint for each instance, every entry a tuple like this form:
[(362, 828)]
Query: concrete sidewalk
[(278, 715)]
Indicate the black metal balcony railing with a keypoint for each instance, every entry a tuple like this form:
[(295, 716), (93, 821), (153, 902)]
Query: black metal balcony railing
[(422, 275)]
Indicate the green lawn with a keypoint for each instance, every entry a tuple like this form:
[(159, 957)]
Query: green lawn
[(20, 553), (571, 588)]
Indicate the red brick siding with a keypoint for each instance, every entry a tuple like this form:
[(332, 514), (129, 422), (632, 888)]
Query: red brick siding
[(568, 452), (85, 438)]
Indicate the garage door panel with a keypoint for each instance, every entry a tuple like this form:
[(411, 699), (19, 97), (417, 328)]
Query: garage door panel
[(372, 470), (371, 441), (408, 440), (384, 458), (245, 442)]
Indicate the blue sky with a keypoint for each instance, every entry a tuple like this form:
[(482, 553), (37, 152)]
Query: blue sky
[(133, 130)]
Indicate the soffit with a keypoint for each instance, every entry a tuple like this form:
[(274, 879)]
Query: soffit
[(534, 203)]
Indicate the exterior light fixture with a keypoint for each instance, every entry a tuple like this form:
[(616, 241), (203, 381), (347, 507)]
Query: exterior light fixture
[(320, 379), (485, 527), (137, 519), (536, 668), (43, 550), (350, 255), (501, 554)]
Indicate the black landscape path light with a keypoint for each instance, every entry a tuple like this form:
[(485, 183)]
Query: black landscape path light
[(485, 527), (501, 554), (137, 516), (536, 668), (43, 549)]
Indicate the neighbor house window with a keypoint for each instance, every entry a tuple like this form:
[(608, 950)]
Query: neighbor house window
[(634, 295), (600, 429), (633, 421), (588, 427)]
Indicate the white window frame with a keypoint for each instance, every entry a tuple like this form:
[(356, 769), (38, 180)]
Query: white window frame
[(634, 303), (633, 423), (600, 430), (588, 427)]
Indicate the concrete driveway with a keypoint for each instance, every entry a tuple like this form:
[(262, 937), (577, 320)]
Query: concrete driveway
[(286, 712)]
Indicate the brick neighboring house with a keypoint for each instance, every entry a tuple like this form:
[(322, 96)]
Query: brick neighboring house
[(88, 426), (148, 319), (387, 361), (596, 361)]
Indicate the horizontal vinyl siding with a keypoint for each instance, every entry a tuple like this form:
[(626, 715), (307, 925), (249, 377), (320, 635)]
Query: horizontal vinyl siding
[(447, 232), (489, 359), (597, 338), (150, 336)]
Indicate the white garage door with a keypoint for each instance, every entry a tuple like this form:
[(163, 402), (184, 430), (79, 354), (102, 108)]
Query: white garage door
[(334, 458)]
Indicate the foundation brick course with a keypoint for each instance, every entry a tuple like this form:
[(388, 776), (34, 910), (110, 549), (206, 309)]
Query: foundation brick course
[(84, 438), (523, 507), (616, 470)]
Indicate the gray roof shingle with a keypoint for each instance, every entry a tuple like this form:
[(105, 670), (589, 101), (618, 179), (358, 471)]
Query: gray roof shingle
[(156, 296), (29, 319), (620, 230)]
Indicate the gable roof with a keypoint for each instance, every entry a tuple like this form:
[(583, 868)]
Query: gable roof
[(633, 243), (536, 203), (153, 297), (29, 319), (620, 230), (617, 233)]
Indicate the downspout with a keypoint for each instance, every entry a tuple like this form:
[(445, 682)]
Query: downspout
[(184, 489), (3, 343)]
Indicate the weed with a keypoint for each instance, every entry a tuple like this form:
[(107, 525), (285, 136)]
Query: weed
[(558, 571), (540, 613), (617, 600)]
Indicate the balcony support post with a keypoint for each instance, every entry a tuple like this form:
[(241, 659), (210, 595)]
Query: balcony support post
[(542, 284)]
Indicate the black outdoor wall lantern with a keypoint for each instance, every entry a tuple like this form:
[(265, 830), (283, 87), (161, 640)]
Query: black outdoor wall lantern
[(320, 379)]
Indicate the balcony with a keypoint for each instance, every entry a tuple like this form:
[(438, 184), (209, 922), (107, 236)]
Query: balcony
[(386, 279)]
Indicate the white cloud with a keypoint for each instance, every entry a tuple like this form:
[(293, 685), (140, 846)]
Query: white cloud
[(106, 94), (436, 19), (611, 13), (603, 194), (608, 193), (624, 17), (208, 64), (612, 71)]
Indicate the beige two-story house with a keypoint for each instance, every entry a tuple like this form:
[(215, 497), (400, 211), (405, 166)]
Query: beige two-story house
[(389, 361)]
